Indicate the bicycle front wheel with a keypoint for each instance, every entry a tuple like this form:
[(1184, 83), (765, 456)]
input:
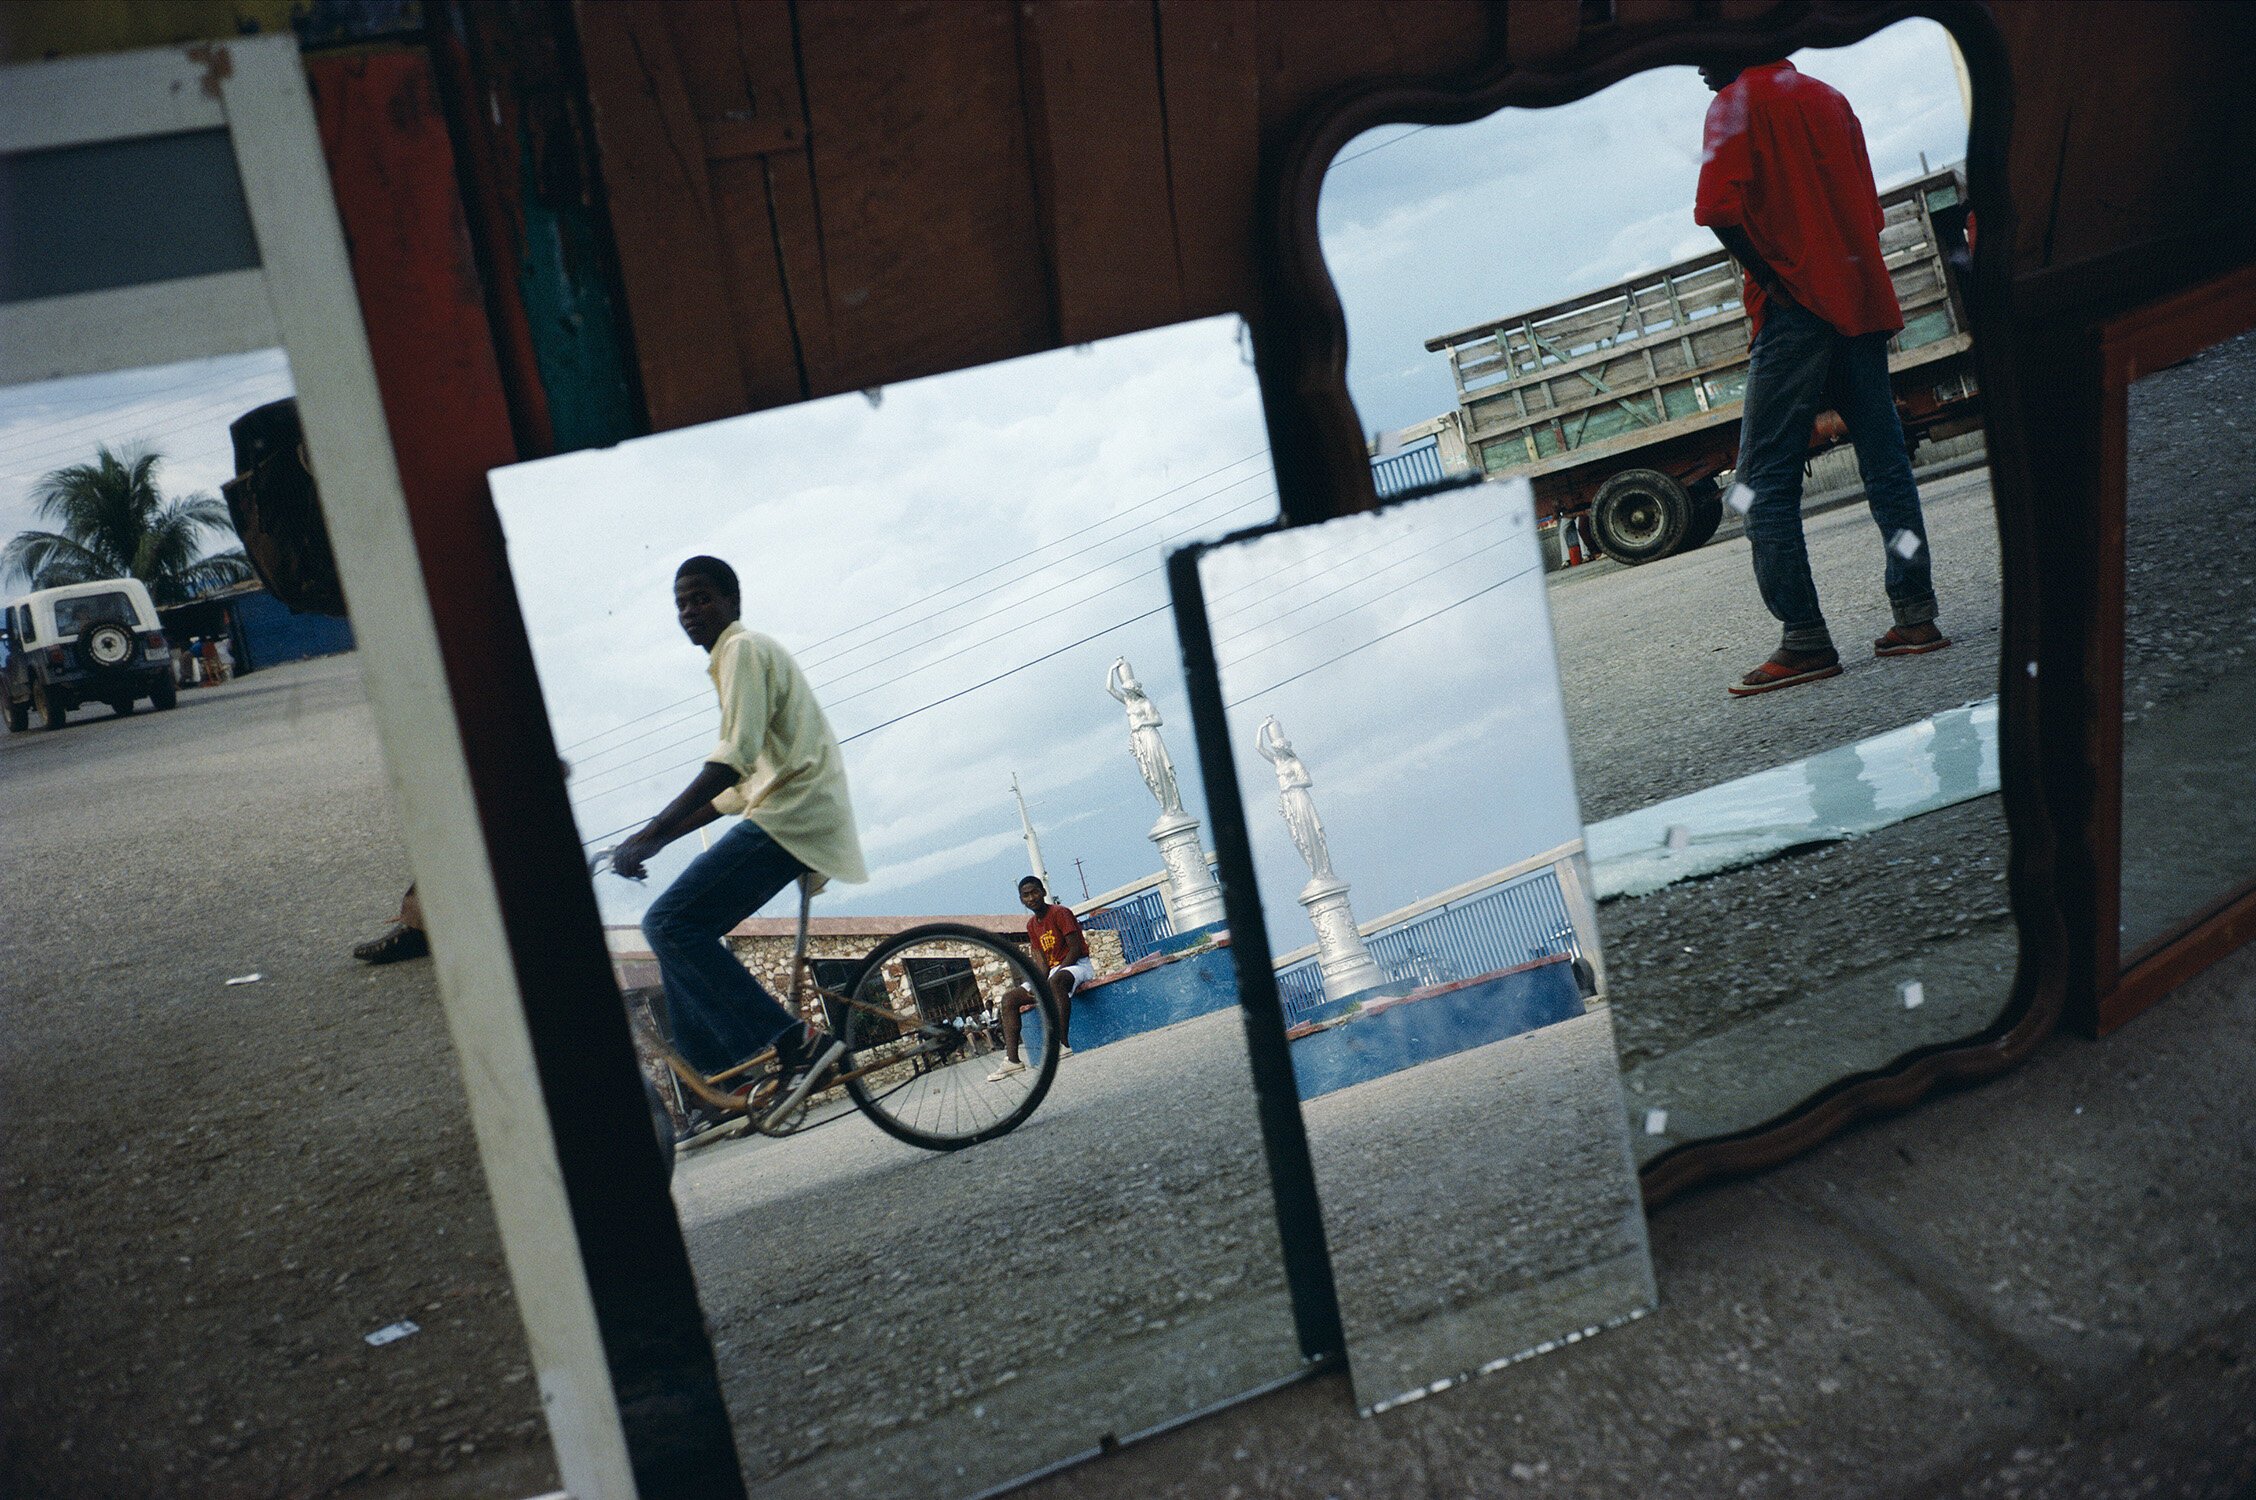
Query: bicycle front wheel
[(928, 1035)]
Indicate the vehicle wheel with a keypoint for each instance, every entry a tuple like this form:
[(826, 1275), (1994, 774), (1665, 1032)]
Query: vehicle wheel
[(109, 646), (50, 712), (1707, 515), (19, 716), (163, 694), (921, 1037), (121, 706), (1640, 514)]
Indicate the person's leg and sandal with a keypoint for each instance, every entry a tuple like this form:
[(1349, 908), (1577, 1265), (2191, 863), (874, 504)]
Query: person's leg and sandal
[(1862, 394), (1786, 382), (721, 1015), (1063, 982)]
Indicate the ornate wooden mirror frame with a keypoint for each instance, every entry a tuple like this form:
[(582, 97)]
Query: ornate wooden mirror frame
[(2139, 343), (1322, 469)]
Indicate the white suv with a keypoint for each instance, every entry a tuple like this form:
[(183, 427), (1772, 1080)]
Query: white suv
[(85, 643)]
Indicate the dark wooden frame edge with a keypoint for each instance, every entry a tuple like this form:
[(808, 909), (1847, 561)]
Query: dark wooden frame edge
[(2151, 337), (1301, 350)]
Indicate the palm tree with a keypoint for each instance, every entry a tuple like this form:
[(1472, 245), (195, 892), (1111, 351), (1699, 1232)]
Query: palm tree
[(115, 523)]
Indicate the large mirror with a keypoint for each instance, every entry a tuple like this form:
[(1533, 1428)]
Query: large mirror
[(1774, 568), (1026, 1213), (2188, 833), (1395, 723)]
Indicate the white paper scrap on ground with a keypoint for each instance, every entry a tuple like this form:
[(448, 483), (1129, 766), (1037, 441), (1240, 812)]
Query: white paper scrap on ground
[(391, 1332), (246, 979), (1739, 498), (1656, 1122), (1913, 992), (1906, 545)]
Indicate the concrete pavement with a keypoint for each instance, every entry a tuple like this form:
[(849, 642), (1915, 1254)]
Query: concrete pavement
[(2041, 1289)]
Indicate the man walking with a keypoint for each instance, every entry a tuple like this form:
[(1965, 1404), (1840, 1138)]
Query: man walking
[(1061, 952), (1786, 185), (778, 764)]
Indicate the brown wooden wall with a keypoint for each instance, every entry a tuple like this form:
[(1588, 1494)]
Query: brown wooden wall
[(829, 195)]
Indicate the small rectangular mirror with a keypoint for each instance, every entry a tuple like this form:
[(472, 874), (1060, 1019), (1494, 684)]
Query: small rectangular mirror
[(1396, 726)]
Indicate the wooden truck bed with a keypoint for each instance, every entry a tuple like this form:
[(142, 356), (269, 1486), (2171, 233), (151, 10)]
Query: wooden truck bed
[(1593, 381)]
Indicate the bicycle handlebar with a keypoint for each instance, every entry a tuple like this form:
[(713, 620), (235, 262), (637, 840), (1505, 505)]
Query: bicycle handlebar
[(600, 861)]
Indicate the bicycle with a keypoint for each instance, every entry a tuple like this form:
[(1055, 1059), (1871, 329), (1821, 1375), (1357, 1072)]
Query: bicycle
[(909, 1038)]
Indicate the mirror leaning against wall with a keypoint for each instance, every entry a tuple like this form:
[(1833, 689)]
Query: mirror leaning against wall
[(1777, 635), (1018, 1208), (1392, 708)]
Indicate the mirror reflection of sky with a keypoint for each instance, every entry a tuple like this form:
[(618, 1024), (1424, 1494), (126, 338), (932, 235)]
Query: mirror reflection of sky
[(1407, 656), (179, 410), (1429, 230), (954, 567)]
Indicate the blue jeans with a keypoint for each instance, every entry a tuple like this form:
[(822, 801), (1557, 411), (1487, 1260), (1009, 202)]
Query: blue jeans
[(721, 1014), (1799, 366)]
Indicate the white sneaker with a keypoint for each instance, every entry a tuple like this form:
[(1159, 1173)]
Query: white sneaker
[(1064, 1053), (1005, 1071)]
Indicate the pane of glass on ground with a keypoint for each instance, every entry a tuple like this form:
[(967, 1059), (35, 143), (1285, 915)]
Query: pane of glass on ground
[(1394, 713), (963, 574), (1796, 885)]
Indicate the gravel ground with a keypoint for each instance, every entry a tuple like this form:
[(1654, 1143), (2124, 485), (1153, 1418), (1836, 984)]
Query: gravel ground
[(1645, 654), (1480, 1205), (884, 1314), (213, 1193)]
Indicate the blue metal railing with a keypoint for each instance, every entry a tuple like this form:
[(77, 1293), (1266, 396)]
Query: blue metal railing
[(1497, 928), (1141, 921), (1410, 469)]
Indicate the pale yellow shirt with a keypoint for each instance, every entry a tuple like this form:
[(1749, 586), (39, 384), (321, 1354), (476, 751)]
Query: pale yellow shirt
[(791, 776)]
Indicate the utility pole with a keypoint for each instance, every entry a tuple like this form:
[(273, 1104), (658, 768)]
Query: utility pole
[(1084, 874), (1033, 844)]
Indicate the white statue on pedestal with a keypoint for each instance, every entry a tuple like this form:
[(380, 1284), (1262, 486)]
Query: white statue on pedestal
[(1299, 808), (1143, 735)]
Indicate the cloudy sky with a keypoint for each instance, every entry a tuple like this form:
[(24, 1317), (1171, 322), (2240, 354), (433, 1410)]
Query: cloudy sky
[(994, 533), (1407, 657), (1429, 231), (180, 410)]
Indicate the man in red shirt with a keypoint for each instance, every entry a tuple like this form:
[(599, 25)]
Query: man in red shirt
[(1786, 185), (1061, 953)]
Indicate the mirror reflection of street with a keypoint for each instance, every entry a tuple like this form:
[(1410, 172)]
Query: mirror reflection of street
[(964, 573), (1450, 1038), (1625, 395)]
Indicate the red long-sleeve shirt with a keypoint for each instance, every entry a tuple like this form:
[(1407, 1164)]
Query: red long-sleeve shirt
[(1785, 163)]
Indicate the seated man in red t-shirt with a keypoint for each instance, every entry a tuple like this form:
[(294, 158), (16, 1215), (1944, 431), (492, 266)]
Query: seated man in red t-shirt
[(1786, 185), (1062, 953)]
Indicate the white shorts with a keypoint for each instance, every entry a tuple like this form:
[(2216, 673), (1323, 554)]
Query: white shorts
[(1082, 971)]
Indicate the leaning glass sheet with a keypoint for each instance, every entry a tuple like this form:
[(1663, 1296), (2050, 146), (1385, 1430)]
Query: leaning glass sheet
[(1397, 732)]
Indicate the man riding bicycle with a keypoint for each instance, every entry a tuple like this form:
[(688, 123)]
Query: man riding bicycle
[(778, 764)]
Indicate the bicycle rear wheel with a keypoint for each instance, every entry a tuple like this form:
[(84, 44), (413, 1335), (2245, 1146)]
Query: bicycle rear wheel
[(926, 1036)]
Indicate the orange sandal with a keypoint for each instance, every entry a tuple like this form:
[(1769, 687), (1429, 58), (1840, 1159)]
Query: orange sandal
[(1786, 670), (1897, 643)]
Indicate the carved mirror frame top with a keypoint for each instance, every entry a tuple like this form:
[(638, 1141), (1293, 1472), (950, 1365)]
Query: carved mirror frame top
[(1300, 349)]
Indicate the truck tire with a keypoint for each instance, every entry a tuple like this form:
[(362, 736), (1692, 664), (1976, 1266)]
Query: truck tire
[(51, 712), (1639, 515), (19, 716), (1707, 514), (163, 694)]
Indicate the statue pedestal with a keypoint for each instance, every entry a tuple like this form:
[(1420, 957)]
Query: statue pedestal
[(1193, 897), (1346, 964)]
